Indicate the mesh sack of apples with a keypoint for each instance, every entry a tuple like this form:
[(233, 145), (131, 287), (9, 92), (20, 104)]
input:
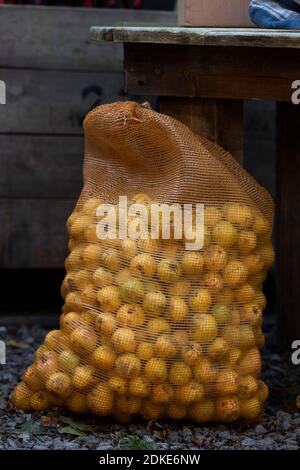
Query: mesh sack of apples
[(150, 329)]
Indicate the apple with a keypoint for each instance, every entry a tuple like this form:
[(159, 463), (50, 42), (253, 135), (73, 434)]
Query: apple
[(215, 258), (40, 401), (228, 409), (169, 270), (221, 314), (202, 411), (246, 241), (156, 370), (201, 301), (218, 350), (106, 323), (205, 328), (205, 371), (213, 282), (103, 357), (102, 277), (143, 265), (100, 400), (192, 263), (56, 340), (158, 326), (110, 259), (21, 397), (180, 288), (129, 405), (131, 315), (118, 385), (251, 409), (60, 384), (189, 393), (83, 340), (139, 387), (68, 361), (47, 364), (235, 273), (180, 373), (128, 365), (109, 298), (162, 393), (225, 234), (32, 379), (124, 340), (191, 352), (239, 214), (145, 351), (227, 382), (248, 387), (164, 347), (154, 303), (77, 403), (132, 290)]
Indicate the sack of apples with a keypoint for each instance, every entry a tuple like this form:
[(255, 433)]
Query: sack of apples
[(156, 324)]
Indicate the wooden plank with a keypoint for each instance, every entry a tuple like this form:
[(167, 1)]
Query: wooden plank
[(237, 37), (218, 120), (288, 224), (36, 166), (37, 235), (52, 102), (58, 37), (211, 72)]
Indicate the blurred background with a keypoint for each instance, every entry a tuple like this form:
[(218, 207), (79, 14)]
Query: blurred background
[(54, 75)]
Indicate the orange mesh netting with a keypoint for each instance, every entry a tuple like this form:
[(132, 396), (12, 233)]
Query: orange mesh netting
[(148, 328)]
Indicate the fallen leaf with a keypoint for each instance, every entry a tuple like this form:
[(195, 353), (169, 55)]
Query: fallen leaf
[(16, 344), (70, 430), (78, 425), (33, 427), (298, 402)]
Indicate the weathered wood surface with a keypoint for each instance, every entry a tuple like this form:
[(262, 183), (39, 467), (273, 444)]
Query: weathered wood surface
[(51, 102), (288, 223), (237, 37), (218, 120), (211, 72), (40, 166), (33, 232), (58, 37)]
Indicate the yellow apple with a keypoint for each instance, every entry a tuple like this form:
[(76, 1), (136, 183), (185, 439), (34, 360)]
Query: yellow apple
[(128, 366), (156, 370)]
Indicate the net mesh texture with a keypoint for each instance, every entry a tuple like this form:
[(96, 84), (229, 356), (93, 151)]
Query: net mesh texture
[(148, 328)]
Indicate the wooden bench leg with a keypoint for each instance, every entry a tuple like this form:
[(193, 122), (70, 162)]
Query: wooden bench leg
[(288, 223), (218, 120)]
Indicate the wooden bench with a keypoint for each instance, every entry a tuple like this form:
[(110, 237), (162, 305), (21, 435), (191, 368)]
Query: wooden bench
[(202, 76)]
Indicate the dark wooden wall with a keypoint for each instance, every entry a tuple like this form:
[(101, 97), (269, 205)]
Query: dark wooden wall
[(54, 75)]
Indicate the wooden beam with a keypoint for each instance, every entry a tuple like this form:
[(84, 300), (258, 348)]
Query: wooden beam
[(41, 167), (33, 232), (211, 72), (236, 37), (288, 224), (57, 38), (218, 120)]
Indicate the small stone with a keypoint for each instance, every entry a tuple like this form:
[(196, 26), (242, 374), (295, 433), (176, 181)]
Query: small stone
[(105, 446), (267, 443), (283, 416), (172, 436), (187, 435), (248, 442), (285, 425), (260, 429)]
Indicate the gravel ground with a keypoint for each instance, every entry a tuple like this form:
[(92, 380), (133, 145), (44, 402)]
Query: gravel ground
[(279, 429)]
